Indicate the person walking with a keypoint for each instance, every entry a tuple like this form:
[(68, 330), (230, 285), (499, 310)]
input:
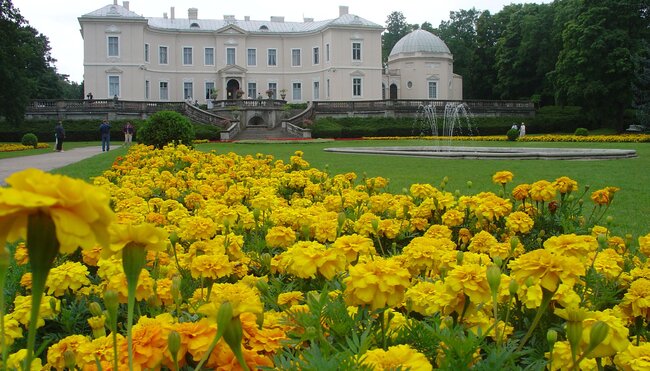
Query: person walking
[(59, 135), (105, 131), (128, 133)]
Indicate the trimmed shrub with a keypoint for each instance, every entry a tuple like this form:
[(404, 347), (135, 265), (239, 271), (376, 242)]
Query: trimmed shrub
[(581, 132), (30, 140), (166, 127), (512, 134)]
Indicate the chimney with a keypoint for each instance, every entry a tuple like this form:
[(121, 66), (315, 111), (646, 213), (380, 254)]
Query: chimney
[(228, 17), (277, 19), (125, 4), (247, 18), (172, 12), (308, 20), (165, 15), (114, 2), (343, 10), (193, 13)]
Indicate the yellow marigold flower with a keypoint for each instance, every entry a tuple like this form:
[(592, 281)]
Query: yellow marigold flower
[(55, 352), (195, 339), (563, 360), (211, 266), (542, 190), (636, 301), (617, 336), (438, 231), (418, 298), (290, 298), (644, 244), (242, 297), (144, 290), (453, 218), (491, 206), (354, 245), (578, 246), (377, 283), (69, 275), (80, 211), (426, 253), (21, 256), (521, 192), (483, 242), (634, 357), (101, 349), (519, 222), (547, 268), (146, 235), (566, 296), (16, 360), (91, 256), (364, 225), (609, 263), (304, 259), (149, 339), (280, 236), (26, 280), (12, 329), (565, 185), (23, 306), (502, 177), (326, 227), (471, 279), (598, 230), (531, 295), (422, 190), (197, 228), (225, 359), (398, 356)]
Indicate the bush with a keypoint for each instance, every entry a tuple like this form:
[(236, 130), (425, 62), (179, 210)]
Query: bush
[(512, 134), (166, 127), (30, 140), (581, 132)]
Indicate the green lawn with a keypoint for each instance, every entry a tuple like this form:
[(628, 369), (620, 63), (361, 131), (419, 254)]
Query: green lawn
[(630, 209), (31, 152)]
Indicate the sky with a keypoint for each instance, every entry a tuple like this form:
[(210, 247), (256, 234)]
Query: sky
[(57, 19)]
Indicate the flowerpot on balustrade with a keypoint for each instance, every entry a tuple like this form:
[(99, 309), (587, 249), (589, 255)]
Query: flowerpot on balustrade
[(283, 96)]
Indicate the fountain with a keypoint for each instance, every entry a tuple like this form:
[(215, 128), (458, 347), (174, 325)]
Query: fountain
[(457, 121)]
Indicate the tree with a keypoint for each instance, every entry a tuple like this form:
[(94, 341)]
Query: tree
[(396, 28), (597, 67)]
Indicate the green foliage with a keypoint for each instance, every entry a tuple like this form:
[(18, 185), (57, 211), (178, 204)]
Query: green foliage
[(581, 132), (29, 139), (396, 28), (166, 127), (512, 134)]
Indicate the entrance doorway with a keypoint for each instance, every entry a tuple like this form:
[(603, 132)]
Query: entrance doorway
[(231, 89), (393, 91)]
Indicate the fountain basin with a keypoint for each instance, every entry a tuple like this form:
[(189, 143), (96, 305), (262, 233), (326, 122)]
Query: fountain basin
[(492, 153)]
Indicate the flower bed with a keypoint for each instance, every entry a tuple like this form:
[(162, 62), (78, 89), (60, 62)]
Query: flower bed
[(231, 262), (11, 147), (625, 138)]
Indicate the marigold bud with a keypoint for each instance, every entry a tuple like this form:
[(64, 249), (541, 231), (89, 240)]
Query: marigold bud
[(514, 242), (174, 343), (176, 288), (459, 257), (513, 288), (95, 309), (70, 359), (599, 331), (224, 315), (469, 184), (494, 278), (551, 337)]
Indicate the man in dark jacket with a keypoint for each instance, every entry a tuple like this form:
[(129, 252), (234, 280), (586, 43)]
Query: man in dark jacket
[(59, 135), (105, 131)]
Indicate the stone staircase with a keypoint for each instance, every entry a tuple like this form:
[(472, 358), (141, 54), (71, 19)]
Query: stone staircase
[(261, 133)]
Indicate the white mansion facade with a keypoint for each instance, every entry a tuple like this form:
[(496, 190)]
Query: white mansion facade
[(174, 59)]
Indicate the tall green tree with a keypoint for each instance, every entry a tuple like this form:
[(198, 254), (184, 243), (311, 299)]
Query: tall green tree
[(396, 28), (26, 65), (598, 64)]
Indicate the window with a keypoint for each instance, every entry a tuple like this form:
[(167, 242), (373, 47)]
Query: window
[(295, 57), (230, 55), (327, 87), (252, 89), (162, 55), (208, 58), (187, 55), (273, 87), (316, 90), (356, 87), (316, 55), (356, 51), (252, 57), (164, 90), (188, 90), (327, 52), (433, 90), (272, 57), (113, 46), (209, 88), (113, 86), (297, 91), (147, 89), (146, 53)]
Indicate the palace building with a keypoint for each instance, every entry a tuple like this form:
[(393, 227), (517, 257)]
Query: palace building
[(173, 59)]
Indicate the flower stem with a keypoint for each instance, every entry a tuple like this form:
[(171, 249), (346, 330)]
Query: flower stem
[(133, 260), (546, 299), (4, 266), (42, 248)]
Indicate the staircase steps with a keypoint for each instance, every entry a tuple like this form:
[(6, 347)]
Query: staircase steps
[(261, 133)]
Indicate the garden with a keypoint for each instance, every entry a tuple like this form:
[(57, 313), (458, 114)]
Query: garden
[(182, 259)]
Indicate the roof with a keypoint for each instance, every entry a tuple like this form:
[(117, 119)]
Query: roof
[(420, 41), (347, 20)]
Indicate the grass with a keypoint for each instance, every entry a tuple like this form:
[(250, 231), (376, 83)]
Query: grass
[(630, 208)]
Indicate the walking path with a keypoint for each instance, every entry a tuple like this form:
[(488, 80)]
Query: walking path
[(45, 162)]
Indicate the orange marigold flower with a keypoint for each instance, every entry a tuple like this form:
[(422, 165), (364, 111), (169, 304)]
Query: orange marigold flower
[(565, 185), (521, 192), (396, 357)]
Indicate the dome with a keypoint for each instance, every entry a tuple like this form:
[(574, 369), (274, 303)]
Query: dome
[(420, 41)]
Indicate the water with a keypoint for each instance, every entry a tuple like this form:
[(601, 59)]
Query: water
[(456, 120)]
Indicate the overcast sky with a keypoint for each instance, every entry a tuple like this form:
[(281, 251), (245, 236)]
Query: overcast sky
[(57, 19)]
